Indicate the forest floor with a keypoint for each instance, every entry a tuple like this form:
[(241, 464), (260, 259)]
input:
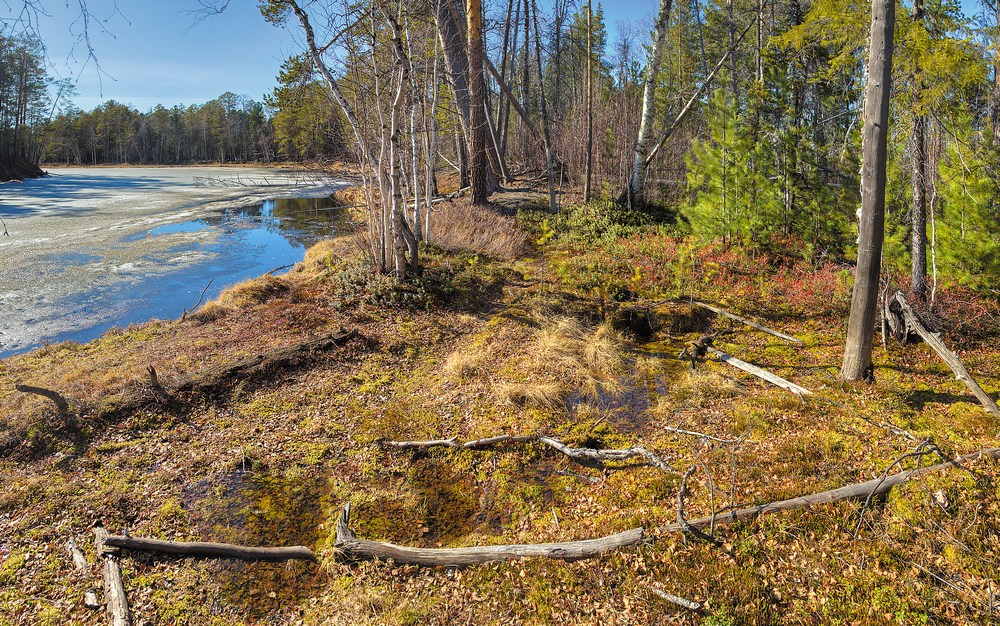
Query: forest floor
[(568, 327)]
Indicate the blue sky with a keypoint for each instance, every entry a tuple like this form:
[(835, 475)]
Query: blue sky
[(153, 51)]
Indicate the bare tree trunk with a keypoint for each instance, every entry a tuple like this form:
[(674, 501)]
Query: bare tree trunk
[(590, 102), (864, 299), (398, 207), (545, 123), (635, 193), (918, 180)]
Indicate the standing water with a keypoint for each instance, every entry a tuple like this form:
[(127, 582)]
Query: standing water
[(88, 249)]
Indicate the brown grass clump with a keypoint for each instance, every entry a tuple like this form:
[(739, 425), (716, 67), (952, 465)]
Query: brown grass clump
[(597, 355), (461, 226), (540, 394), (462, 365)]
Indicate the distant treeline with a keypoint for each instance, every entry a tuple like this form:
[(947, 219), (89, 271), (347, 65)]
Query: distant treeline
[(229, 129)]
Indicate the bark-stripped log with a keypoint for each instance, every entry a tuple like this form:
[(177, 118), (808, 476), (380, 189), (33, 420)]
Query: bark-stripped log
[(744, 320), (212, 550), (75, 553), (949, 357), (114, 588), (361, 549), (856, 491), (759, 372), (282, 357)]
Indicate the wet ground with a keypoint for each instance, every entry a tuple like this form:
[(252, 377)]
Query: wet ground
[(86, 249)]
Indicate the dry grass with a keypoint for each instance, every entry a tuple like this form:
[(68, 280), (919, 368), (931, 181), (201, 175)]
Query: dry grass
[(595, 355), (463, 227), (462, 365), (541, 394)]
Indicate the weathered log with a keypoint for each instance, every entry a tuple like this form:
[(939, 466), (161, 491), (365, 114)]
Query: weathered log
[(432, 443), (212, 550), (487, 442), (744, 320), (597, 458), (213, 376), (857, 491), (114, 588), (759, 372), (949, 357), (54, 396), (361, 549)]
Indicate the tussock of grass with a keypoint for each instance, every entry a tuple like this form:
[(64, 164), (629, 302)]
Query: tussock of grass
[(461, 226), (462, 365), (547, 395)]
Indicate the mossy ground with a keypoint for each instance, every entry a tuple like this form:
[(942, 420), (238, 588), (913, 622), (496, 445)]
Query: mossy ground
[(481, 347)]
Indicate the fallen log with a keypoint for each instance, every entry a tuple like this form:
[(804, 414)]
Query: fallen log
[(759, 372), (679, 601), (363, 550), (75, 553), (589, 457), (114, 588), (857, 491), (743, 320), (213, 376), (949, 357), (211, 549)]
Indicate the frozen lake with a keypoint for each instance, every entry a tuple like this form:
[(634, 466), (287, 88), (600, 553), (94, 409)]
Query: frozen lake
[(87, 249)]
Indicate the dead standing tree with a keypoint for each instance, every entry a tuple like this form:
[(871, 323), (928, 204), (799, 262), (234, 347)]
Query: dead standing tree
[(861, 325)]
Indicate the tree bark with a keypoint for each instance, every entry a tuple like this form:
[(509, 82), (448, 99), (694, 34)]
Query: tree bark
[(864, 299), (477, 104), (549, 165)]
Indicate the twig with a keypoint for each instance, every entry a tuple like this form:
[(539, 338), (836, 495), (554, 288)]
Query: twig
[(923, 449), (200, 298), (679, 601), (278, 269), (688, 528), (681, 431)]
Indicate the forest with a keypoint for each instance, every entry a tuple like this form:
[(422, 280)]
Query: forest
[(689, 320)]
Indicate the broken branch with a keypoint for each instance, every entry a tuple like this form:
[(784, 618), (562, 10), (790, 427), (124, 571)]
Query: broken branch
[(873, 488), (54, 396)]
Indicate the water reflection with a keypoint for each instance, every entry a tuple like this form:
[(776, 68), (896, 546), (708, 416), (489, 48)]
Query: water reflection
[(159, 272)]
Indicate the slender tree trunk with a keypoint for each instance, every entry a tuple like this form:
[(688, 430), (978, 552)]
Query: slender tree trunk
[(635, 193), (398, 208), (545, 122), (590, 101), (861, 325), (918, 180)]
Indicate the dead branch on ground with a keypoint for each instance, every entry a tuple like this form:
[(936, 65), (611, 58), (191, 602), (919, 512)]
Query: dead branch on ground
[(54, 396), (588, 457), (210, 549), (114, 588), (759, 372), (871, 488), (361, 549)]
